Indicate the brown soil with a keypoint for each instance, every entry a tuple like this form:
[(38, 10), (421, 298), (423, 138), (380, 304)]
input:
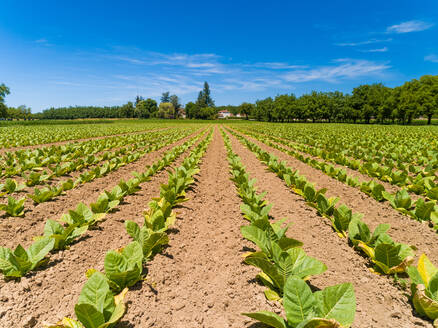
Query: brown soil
[(379, 303), (403, 228), (200, 280), (14, 230), (47, 295)]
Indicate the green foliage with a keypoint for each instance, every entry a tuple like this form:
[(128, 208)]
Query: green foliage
[(63, 236), (44, 194), (14, 207), (332, 307), (82, 216), (10, 186), (388, 256), (150, 240), (424, 288), (103, 204), (17, 263), (123, 267), (97, 307)]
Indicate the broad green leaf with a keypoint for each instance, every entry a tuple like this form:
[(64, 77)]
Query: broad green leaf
[(298, 300), (39, 249), (96, 292), (319, 323), (338, 303), (89, 316), (426, 269), (269, 318)]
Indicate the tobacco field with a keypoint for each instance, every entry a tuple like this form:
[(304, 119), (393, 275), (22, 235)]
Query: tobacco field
[(218, 224)]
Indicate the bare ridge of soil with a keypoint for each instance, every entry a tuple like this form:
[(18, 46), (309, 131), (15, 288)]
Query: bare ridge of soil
[(379, 303), (200, 280)]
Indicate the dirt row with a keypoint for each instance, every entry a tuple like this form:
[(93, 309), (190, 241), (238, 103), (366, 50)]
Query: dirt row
[(14, 230), (200, 280), (379, 303), (49, 294), (403, 228)]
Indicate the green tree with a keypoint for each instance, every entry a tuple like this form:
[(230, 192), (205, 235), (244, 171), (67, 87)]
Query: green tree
[(4, 90), (428, 96), (127, 110), (246, 109), (166, 110), (165, 98), (141, 110), (174, 100), (191, 109), (204, 97), (264, 110), (3, 110)]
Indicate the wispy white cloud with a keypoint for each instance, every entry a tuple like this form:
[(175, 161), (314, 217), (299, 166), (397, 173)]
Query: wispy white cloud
[(275, 65), (43, 41), (409, 26), (342, 69), (384, 49), (431, 58), (362, 43), (151, 73)]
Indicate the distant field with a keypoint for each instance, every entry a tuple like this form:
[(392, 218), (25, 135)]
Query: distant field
[(168, 216)]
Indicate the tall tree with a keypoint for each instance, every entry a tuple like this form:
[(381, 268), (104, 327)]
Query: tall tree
[(174, 100), (4, 90), (246, 109), (428, 96), (165, 98), (166, 110), (204, 97)]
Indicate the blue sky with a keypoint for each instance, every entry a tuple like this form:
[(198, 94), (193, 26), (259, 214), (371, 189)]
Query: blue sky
[(61, 53)]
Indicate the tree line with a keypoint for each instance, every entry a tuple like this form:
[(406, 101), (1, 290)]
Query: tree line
[(402, 104), (366, 103)]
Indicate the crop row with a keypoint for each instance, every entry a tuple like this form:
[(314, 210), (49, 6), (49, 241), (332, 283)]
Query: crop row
[(20, 161), (420, 210), (387, 256), (18, 136), (284, 265), (419, 180), (408, 145), (16, 207), (58, 235), (100, 303)]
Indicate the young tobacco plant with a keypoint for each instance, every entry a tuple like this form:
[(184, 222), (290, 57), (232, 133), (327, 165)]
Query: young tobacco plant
[(424, 288), (14, 207), (332, 307), (388, 256), (17, 263), (97, 307)]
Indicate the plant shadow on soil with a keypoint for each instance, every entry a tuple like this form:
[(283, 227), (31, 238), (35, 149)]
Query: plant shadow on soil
[(125, 324)]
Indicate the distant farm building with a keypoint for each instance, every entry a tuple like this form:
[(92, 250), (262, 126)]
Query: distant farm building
[(224, 114)]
